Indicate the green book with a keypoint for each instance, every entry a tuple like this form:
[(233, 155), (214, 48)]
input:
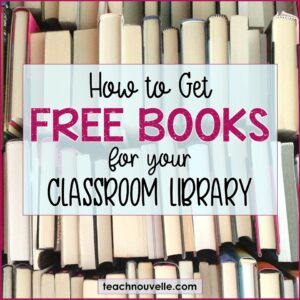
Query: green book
[(133, 12), (165, 14)]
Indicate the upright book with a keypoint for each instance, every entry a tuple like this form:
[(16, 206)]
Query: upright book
[(78, 14), (18, 224), (23, 24), (180, 11), (203, 9), (285, 41)]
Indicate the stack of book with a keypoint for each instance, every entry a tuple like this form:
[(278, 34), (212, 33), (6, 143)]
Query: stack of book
[(235, 256)]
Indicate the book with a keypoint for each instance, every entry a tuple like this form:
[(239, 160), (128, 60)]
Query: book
[(228, 8), (78, 15), (48, 285), (270, 281), (197, 276), (239, 54), (229, 276), (254, 46), (288, 288), (287, 204), (133, 12), (50, 10), (131, 274), (263, 49), (243, 225), (186, 271), (35, 7), (218, 54), (165, 271), (35, 252), (152, 55), (57, 51), (294, 275), (36, 282), (102, 9), (265, 225), (85, 51), (204, 274), (131, 53), (285, 41), (7, 281), (114, 277), (90, 289), (129, 232), (151, 8), (6, 15), (33, 4), (210, 277), (62, 285), (248, 276), (46, 224), (68, 14), (215, 284), (37, 56), (3, 161), (170, 46), (88, 14), (76, 284), (115, 7), (266, 233), (188, 238), (165, 14), (247, 271), (171, 224), (180, 11), (260, 13), (151, 40), (220, 170), (69, 224), (14, 4), (109, 53), (286, 6), (86, 223), (203, 9), (131, 47), (125, 245), (125, 233), (145, 271), (154, 223), (37, 48), (204, 226), (58, 47), (218, 40), (103, 223), (23, 24), (22, 281), (18, 224), (239, 51), (110, 39), (193, 42)]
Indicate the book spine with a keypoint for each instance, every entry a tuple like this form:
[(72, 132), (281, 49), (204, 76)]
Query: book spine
[(32, 27), (1, 143), (133, 12), (165, 14)]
